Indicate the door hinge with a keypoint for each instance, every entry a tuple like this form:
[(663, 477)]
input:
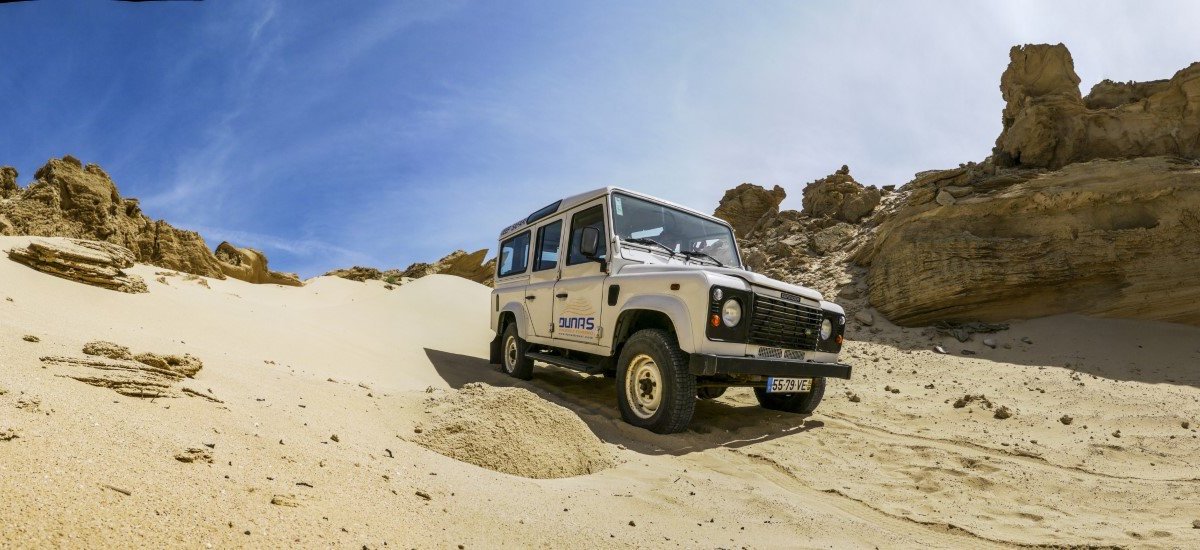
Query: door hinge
[(599, 332), (551, 327)]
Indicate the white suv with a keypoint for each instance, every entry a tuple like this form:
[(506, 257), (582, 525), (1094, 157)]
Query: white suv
[(618, 283)]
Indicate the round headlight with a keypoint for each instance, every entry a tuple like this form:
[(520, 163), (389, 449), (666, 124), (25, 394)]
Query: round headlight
[(731, 312), (826, 329), (717, 295)]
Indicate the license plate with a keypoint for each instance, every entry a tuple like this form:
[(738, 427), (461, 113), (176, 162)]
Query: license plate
[(788, 385)]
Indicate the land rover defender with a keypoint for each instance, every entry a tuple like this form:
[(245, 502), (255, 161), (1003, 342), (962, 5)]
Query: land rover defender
[(618, 283)]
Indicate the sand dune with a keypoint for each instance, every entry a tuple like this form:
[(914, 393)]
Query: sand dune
[(320, 390)]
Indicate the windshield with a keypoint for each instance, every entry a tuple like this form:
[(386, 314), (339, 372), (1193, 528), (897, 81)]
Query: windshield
[(651, 224)]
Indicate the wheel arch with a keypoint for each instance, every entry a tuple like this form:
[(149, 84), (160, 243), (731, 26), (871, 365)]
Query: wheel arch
[(511, 314), (660, 312)]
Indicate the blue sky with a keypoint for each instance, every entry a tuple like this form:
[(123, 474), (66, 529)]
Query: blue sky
[(384, 133)]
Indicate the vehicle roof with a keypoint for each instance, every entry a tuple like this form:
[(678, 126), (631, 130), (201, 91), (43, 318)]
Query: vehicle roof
[(572, 201)]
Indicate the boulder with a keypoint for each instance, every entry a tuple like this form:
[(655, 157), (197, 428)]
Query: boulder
[(70, 199), (94, 263), (747, 206), (839, 197), (250, 265), (1047, 124)]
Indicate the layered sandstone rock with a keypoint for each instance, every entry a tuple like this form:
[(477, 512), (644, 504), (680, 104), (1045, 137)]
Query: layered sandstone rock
[(839, 197), (69, 199), (250, 265), (94, 263), (747, 206), (1108, 238), (1045, 227), (1047, 124)]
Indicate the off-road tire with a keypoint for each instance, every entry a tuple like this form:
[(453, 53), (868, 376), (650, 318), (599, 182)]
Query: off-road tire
[(803, 403), (710, 392), (513, 362), (677, 403)]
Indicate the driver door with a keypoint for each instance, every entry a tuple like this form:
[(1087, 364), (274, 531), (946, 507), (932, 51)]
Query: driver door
[(578, 296)]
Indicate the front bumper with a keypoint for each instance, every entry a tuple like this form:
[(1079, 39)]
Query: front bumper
[(707, 365)]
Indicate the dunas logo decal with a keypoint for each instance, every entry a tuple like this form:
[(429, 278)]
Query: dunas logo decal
[(577, 319)]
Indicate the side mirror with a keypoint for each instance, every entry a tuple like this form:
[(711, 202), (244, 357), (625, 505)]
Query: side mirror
[(589, 242)]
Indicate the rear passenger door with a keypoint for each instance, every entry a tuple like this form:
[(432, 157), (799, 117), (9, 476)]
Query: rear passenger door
[(539, 293), (578, 296)]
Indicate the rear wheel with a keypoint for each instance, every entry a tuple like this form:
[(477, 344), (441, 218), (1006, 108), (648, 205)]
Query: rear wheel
[(655, 391), (803, 403), (514, 362)]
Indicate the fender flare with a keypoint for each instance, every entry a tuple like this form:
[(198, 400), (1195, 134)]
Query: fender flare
[(675, 310), (519, 317)]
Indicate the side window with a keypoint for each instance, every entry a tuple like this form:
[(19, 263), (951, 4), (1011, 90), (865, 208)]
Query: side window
[(592, 217), (549, 239), (514, 255)]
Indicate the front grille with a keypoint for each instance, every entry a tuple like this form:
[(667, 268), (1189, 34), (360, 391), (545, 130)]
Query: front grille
[(782, 324)]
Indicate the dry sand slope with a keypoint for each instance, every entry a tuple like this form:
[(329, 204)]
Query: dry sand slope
[(309, 421)]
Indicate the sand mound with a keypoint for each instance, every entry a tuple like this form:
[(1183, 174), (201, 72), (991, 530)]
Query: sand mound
[(511, 430)]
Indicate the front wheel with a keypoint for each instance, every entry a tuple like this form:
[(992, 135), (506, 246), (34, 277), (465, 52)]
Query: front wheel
[(655, 391), (514, 362), (803, 403)]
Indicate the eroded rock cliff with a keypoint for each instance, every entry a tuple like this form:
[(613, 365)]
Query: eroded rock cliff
[(69, 199)]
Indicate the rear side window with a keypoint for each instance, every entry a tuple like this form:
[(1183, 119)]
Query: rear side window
[(592, 217), (514, 255), (549, 239)]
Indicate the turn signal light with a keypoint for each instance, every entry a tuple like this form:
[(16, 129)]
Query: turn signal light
[(716, 320), (839, 339)]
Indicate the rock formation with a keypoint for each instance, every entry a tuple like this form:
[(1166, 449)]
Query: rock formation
[(69, 199), (458, 263), (839, 197), (1047, 124), (1110, 238), (250, 265), (747, 206), (360, 273), (90, 262), (8, 181), (1061, 219)]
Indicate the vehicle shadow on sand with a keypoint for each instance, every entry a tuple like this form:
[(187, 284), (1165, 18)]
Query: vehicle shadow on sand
[(732, 421)]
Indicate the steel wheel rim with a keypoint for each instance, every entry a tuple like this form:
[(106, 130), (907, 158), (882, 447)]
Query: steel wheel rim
[(510, 354), (644, 386)]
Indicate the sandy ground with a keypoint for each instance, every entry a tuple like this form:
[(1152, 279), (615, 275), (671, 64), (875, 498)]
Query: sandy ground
[(294, 367)]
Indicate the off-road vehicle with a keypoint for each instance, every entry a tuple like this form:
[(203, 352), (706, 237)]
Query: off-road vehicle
[(618, 283)]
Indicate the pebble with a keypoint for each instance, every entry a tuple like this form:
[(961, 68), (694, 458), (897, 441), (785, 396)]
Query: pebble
[(632, 524), (990, 342), (968, 352), (334, 438), (864, 317), (31, 338), (855, 398), (1185, 424), (1066, 420), (424, 495), (1002, 413), (1026, 339), (1196, 524), (939, 349)]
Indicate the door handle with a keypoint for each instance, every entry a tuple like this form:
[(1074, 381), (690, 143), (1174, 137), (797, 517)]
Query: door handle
[(531, 297), (561, 295)]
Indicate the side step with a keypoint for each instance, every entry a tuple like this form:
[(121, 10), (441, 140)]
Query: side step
[(564, 362)]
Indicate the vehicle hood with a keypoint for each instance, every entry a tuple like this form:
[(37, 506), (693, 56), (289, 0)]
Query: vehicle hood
[(755, 279)]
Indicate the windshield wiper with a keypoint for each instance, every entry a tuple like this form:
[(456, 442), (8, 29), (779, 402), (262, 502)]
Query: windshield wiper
[(645, 240), (690, 254)]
